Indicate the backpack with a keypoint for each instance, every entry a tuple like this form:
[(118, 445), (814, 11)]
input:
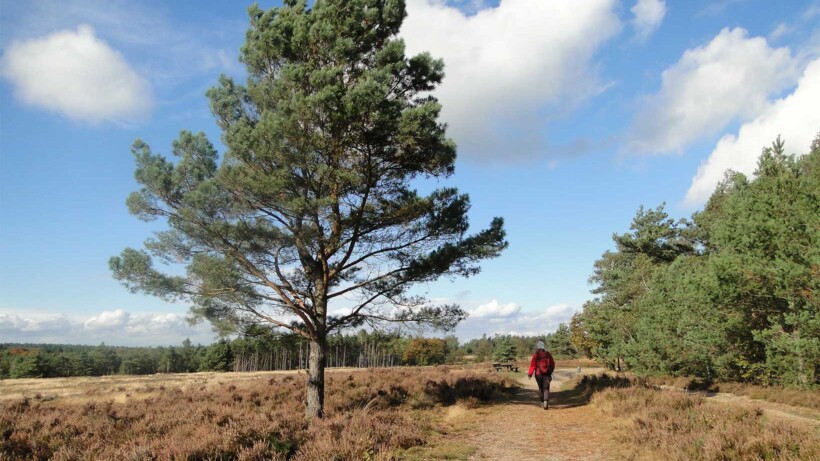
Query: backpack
[(542, 362)]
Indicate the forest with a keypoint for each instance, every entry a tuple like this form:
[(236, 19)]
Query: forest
[(261, 349), (728, 295)]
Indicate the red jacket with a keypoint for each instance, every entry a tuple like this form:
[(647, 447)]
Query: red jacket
[(541, 360)]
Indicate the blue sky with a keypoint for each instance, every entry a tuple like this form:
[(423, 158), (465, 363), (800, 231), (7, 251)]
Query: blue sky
[(568, 115)]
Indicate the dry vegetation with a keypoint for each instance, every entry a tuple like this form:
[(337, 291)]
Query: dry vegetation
[(575, 363), (798, 397), (678, 426), (370, 415), (809, 398)]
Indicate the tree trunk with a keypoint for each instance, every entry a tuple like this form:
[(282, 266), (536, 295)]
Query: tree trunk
[(316, 379)]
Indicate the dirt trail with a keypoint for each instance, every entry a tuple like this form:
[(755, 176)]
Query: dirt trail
[(519, 429), (770, 409)]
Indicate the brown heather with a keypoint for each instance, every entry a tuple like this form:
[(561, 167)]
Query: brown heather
[(370, 414), (809, 397), (790, 396), (675, 426)]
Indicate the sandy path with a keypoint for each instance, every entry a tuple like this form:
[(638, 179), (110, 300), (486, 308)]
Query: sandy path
[(770, 409), (519, 429)]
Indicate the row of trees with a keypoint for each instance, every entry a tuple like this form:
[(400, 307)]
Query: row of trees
[(505, 348), (260, 349), (50, 360), (731, 294)]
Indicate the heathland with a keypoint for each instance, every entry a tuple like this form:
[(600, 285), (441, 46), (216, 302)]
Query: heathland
[(417, 413)]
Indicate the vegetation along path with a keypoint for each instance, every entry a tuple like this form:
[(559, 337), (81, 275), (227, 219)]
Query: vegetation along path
[(519, 429)]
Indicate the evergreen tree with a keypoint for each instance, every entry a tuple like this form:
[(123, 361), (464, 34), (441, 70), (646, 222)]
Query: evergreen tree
[(32, 365), (766, 240), (484, 348), (731, 295), (138, 363), (504, 349), (218, 357), (559, 342), (170, 362), (312, 201), (83, 364)]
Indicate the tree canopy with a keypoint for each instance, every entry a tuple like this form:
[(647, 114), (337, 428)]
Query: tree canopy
[(731, 294), (312, 205)]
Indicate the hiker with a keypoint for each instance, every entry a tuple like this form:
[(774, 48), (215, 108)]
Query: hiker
[(543, 365)]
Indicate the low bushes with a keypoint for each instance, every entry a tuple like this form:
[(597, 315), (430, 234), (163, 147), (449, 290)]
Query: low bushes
[(677, 426), (368, 415)]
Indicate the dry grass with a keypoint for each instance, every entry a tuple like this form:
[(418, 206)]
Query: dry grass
[(677, 426), (797, 397), (808, 398), (370, 414), (575, 363)]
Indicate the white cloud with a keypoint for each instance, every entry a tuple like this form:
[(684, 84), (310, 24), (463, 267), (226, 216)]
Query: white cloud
[(648, 15), (729, 79), (106, 319), (511, 69), (495, 318), (494, 309), (781, 30), (170, 52), (31, 324), (78, 75), (118, 327), (795, 117), (155, 323)]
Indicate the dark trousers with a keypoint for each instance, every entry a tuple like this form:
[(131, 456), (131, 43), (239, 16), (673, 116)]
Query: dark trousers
[(543, 386)]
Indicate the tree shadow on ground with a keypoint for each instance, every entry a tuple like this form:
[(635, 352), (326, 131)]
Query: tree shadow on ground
[(573, 393), (569, 397)]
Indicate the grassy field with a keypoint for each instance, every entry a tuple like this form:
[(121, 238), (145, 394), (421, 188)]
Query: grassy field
[(369, 414)]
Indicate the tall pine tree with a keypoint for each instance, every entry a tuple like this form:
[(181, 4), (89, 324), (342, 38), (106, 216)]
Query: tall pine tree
[(312, 202)]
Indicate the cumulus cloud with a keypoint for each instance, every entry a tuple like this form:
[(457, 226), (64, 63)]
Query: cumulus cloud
[(496, 318), (117, 327), (78, 75), (731, 78), (647, 17), (795, 117), (31, 324), (511, 69), (156, 323), (106, 319), (494, 309)]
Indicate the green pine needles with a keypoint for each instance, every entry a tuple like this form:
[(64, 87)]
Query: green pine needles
[(312, 202)]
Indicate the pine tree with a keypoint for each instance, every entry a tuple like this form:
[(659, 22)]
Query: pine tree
[(312, 201)]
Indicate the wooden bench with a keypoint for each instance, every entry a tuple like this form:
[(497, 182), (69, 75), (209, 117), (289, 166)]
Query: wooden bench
[(507, 366)]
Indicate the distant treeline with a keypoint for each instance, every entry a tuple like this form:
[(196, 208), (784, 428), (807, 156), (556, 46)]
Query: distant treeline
[(260, 349), (732, 294)]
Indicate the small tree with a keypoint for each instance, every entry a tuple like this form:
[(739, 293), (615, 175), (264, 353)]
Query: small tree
[(559, 342), (312, 204), (425, 351), (504, 350), (218, 357)]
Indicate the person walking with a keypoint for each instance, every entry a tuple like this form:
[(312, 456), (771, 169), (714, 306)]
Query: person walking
[(543, 365)]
